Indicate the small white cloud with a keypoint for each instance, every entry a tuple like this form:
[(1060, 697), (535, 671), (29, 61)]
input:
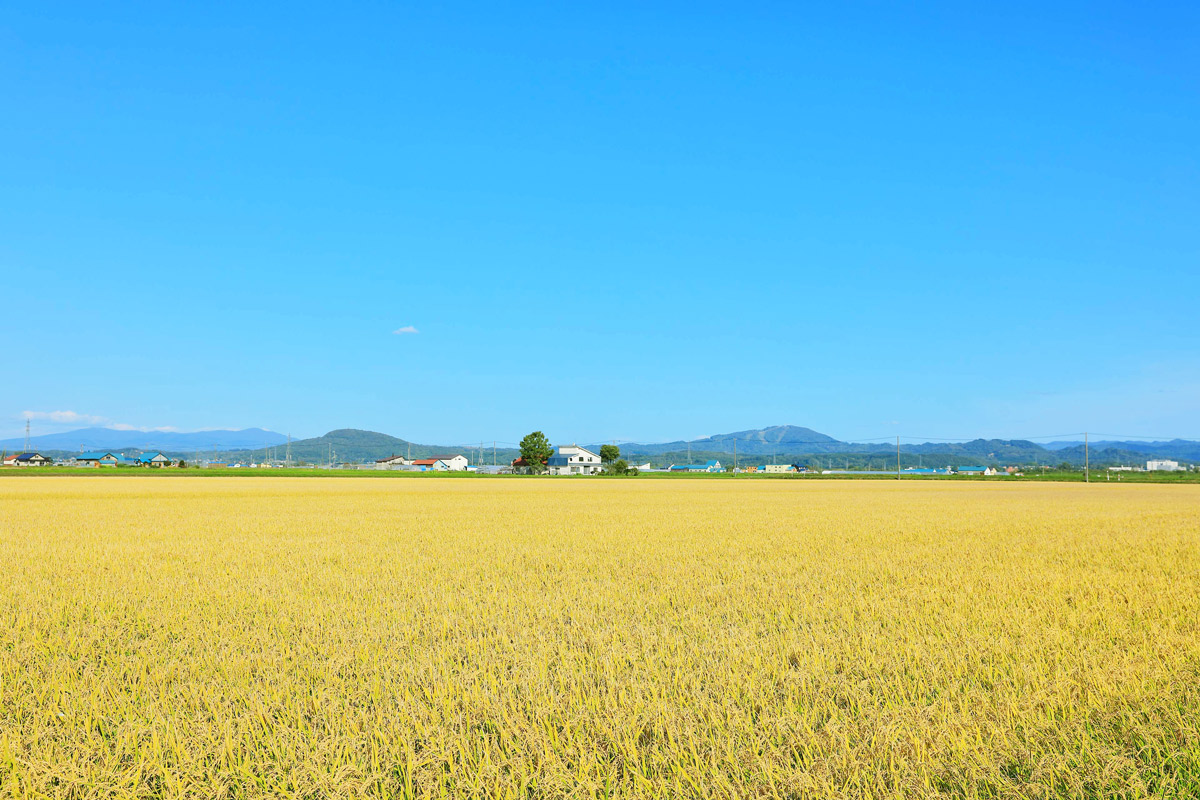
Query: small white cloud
[(406, 329), (75, 418), (65, 417)]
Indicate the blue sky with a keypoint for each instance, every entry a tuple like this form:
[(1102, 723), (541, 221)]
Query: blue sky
[(632, 222)]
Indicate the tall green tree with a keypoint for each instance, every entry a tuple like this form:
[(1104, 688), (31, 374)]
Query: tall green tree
[(536, 450), (609, 452)]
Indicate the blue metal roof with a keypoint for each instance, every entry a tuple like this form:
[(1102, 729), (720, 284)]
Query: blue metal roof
[(558, 461), (96, 455), (972, 469), (146, 458)]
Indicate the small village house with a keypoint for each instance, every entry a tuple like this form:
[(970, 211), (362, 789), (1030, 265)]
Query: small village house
[(153, 460), (27, 460), (99, 458), (392, 462)]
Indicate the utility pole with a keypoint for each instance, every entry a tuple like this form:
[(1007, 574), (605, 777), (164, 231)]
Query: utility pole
[(26, 450), (689, 452), (1087, 477), (493, 452), (897, 458), (287, 459), (735, 454)]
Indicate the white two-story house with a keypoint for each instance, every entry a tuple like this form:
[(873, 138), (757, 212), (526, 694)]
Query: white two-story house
[(571, 459)]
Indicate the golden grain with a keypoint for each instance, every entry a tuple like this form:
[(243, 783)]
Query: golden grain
[(236, 637)]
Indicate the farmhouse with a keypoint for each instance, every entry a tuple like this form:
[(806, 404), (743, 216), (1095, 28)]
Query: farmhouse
[(27, 460), (712, 465), (573, 460), (777, 468), (454, 463), (391, 462), (100, 458), (153, 460)]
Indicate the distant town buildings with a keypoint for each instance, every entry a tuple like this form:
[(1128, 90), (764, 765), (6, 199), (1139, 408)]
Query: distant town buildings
[(1163, 465), (444, 463)]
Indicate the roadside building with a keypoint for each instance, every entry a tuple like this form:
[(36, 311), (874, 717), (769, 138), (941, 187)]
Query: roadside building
[(573, 460), (1163, 465), (775, 469), (153, 460), (712, 465)]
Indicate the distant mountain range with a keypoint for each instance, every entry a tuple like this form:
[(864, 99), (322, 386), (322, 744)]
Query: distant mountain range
[(113, 439), (779, 443), (349, 445), (790, 442)]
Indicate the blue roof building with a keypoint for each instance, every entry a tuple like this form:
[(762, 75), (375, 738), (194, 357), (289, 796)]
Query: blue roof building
[(104, 458), (712, 465)]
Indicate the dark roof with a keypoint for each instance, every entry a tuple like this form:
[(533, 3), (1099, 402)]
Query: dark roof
[(558, 461), (29, 456)]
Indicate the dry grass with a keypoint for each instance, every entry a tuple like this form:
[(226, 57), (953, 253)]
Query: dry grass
[(492, 638)]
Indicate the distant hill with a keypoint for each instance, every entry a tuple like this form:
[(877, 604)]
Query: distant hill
[(775, 439), (1180, 449), (113, 439)]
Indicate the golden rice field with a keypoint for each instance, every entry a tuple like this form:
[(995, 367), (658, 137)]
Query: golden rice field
[(282, 637)]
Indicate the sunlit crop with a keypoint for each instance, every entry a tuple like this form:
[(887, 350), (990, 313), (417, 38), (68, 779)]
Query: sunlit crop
[(247, 637)]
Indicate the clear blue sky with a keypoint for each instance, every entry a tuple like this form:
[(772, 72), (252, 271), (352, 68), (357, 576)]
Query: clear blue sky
[(632, 223)]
